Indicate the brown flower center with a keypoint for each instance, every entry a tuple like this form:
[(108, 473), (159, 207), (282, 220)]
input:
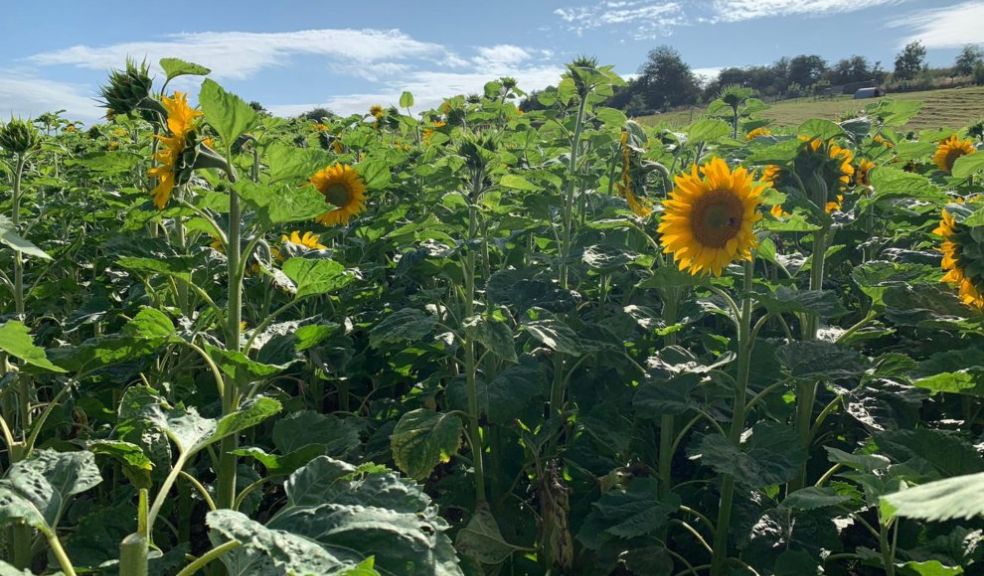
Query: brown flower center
[(716, 218), (337, 194)]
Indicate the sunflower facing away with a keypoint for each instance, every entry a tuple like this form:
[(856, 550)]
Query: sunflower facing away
[(862, 176), (961, 260), (707, 220), (841, 158), (624, 186), (344, 190), (761, 131), (949, 150), (180, 123), (309, 240)]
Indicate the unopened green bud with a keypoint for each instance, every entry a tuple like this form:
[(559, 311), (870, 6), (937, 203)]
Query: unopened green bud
[(19, 136), (127, 88)]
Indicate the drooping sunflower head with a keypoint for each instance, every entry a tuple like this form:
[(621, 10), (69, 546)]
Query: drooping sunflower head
[(344, 192), (309, 240), (708, 219), (176, 151), (377, 111), (760, 131), (626, 184), (963, 255), (836, 161), (862, 175), (882, 141), (771, 173), (19, 136), (950, 150)]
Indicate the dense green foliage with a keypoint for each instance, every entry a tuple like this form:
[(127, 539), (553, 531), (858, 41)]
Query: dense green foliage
[(494, 368)]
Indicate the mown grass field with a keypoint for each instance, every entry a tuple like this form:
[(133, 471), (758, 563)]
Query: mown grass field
[(949, 108)]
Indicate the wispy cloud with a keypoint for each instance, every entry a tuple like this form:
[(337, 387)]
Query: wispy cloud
[(387, 61), (240, 55), (948, 27), (644, 18), (651, 18), (739, 10), (27, 96)]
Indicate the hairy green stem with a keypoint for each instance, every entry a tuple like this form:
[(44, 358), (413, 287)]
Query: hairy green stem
[(568, 208), (225, 491), (209, 556), (719, 559), (474, 425)]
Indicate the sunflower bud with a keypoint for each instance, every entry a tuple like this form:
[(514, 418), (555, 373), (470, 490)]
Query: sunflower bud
[(19, 136), (128, 89)]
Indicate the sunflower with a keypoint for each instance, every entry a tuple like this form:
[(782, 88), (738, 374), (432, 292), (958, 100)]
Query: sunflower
[(377, 111), (862, 175), (842, 158), (834, 205), (777, 212), (309, 240), (625, 187), (180, 123), (343, 189), (760, 131), (960, 259), (881, 140), (771, 173), (707, 220), (949, 150), (429, 132)]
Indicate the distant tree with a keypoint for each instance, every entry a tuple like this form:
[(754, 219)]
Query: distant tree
[(259, 108), (848, 70), (968, 59), (806, 70), (878, 73), (666, 80), (317, 114), (910, 61)]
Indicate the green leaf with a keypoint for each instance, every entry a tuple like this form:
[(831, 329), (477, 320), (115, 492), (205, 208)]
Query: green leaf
[(337, 436), (266, 552), (281, 202), (961, 382), (625, 513), (819, 359), (177, 267), (293, 164), (315, 276), (773, 455), (708, 130), (375, 173), (8, 570), (15, 339), (494, 335), (891, 182), (862, 462), (10, 237), (931, 568), (657, 397), (277, 465), (822, 129), (406, 325), (939, 501), (968, 165), (406, 99), (368, 511), (136, 464), (240, 367), (47, 480), (227, 113), (555, 335), (785, 300), (611, 117), (812, 498), (517, 182), (946, 451), (481, 539), (150, 324), (175, 67), (423, 439), (252, 412)]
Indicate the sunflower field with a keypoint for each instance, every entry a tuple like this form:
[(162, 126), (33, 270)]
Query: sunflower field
[(476, 341)]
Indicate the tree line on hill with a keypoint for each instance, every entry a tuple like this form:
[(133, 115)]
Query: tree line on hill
[(665, 81)]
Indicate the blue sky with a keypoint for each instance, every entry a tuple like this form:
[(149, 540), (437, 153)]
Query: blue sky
[(292, 55)]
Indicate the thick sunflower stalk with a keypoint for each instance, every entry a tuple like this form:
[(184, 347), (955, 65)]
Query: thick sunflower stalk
[(707, 223)]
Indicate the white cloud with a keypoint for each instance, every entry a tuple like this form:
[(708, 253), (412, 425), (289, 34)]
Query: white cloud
[(948, 27), (28, 96), (646, 18), (705, 75), (387, 61), (739, 10), (430, 88), (240, 55), (650, 18)]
